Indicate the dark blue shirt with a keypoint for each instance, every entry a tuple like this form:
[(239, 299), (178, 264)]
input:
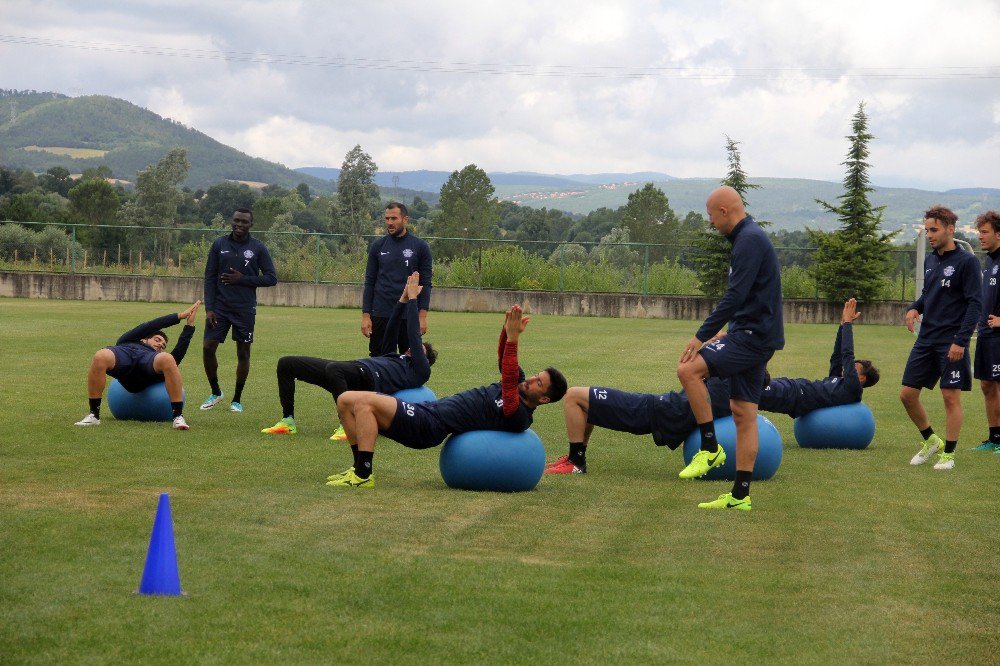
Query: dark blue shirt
[(391, 261), (671, 415), (950, 301), (393, 372), (752, 301), (251, 259), (842, 386), (990, 296), (481, 409), (143, 354)]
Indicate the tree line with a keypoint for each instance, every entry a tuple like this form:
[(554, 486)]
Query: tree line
[(641, 240)]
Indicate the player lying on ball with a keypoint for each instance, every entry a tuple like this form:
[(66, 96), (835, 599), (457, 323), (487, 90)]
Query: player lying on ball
[(668, 416), (507, 405), (138, 361)]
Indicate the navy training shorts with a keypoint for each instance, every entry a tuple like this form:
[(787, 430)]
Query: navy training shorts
[(738, 358), (416, 426), (929, 362), (241, 323), (987, 360)]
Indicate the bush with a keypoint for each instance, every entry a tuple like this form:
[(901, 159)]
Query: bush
[(797, 282), (669, 277)]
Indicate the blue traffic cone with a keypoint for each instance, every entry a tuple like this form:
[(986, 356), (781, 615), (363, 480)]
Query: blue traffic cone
[(160, 575)]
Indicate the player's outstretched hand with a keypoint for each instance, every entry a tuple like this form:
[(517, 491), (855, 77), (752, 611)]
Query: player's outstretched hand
[(190, 313), (515, 322), (850, 313), (413, 287)]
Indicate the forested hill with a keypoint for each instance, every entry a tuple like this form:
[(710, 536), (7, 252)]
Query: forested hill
[(42, 130)]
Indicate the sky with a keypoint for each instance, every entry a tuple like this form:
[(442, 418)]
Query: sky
[(551, 87)]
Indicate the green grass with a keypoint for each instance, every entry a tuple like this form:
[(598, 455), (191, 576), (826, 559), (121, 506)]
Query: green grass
[(847, 556)]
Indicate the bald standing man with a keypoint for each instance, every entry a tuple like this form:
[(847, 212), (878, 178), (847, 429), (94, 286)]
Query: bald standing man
[(751, 306)]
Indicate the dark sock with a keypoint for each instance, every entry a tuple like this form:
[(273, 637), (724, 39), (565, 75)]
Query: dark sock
[(178, 408), (363, 468), (578, 453), (214, 383), (708, 441), (354, 452), (238, 393), (95, 407), (949, 445), (741, 487), (927, 432), (995, 434)]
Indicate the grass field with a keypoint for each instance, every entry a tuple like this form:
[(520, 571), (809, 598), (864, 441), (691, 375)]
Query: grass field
[(849, 557), (75, 153)]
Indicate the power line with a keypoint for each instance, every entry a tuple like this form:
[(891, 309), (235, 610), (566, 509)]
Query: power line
[(514, 69)]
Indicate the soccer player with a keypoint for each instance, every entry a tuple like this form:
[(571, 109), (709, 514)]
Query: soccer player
[(843, 385), (667, 417), (387, 373), (949, 307), (237, 264), (391, 259), (507, 405), (138, 361), (986, 367), (752, 306)]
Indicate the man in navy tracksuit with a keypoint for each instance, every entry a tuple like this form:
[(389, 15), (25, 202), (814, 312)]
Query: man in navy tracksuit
[(843, 385), (138, 361), (388, 373), (391, 260), (237, 264), (949, 306), (507, 405), (752, 307), (986, 367)]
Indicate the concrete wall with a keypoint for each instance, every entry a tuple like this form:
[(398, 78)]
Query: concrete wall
[(307, 294)]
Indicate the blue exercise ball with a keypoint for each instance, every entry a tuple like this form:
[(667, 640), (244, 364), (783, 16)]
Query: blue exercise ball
[(769, 449), (150, 404), (493, 460), (419, 394), (841, 427)]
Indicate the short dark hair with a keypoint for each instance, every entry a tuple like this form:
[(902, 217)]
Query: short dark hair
[(871, 373), (244, 210), (432, 354), (165, 338), (401, 207), (557, 385), (990, 217), (943, 215)]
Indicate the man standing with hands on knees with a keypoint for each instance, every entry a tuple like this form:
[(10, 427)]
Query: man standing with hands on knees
[(237, 264), (752, 307)]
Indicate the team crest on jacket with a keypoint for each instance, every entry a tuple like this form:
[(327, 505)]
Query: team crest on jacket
[(407, 253), (248, 254), (949, 271)]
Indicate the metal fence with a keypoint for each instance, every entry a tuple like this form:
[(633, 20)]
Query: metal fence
[(633, 268)]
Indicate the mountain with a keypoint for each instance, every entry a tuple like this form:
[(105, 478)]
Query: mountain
[(43, 130)]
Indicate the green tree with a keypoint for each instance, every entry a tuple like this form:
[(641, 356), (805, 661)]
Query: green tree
[(157, 198), (357, 194), (94, 201), (224, 198), (469, 209), (56, 180), (94, 173), (649, 219), (711, 263), (303, 190), (853, 261)]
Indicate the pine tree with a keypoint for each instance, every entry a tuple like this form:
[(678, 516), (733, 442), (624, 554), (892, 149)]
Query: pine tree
[(357, 195), (854, 260), (712, 261)]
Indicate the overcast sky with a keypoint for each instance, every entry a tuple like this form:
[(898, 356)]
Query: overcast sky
[(554, 87)]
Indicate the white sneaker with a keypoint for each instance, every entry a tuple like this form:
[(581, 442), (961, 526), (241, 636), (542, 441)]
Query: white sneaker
[(180, 423), (932, 445), (211, 401), (89, 419), (945, 461)]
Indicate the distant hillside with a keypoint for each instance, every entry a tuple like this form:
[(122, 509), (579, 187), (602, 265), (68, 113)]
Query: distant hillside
[(132, 137), (789, 203)]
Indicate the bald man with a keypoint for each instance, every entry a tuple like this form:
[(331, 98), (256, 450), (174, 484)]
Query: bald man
[(752, 308)]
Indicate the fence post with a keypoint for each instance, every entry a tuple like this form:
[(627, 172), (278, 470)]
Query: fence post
[(479, 247), (72, 251), (645, 271), (152, 257), (317, 258), (562, 265)]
